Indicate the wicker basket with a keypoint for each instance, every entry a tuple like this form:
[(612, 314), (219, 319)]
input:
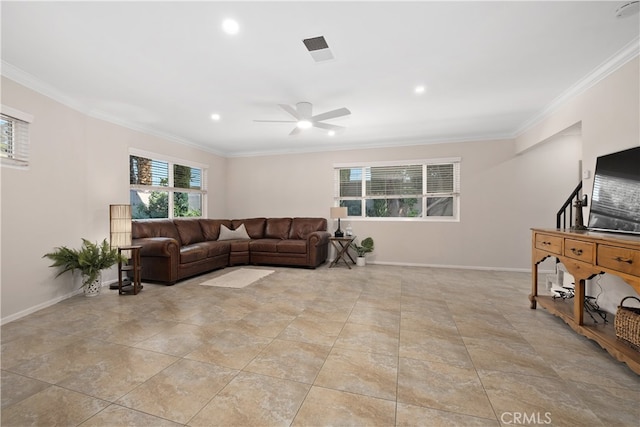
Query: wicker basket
[(627, 323)]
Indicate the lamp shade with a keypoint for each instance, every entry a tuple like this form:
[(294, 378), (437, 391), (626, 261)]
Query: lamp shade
[(339, 212), (120, 225)]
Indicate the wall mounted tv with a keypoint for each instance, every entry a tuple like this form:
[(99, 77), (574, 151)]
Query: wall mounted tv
[(615, 200)]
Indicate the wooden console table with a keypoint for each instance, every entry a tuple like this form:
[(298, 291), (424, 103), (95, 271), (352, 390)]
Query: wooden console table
[(586, 254)]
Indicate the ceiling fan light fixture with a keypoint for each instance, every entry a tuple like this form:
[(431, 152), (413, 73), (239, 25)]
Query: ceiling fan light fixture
[(331, 133), (304, 118), (304, 124)]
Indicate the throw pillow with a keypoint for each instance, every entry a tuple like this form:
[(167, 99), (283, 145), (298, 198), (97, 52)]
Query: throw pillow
[(238, 234)]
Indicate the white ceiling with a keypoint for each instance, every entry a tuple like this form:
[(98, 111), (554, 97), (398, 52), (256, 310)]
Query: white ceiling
[(491, 68)]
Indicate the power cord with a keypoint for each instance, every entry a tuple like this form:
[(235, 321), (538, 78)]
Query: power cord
[(590, 303)]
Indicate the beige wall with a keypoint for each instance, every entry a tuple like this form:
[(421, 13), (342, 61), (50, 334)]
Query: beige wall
[(610, 117), (503, 195), (79, 165)]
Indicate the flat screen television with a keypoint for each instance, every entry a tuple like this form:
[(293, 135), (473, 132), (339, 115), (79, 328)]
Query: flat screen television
[(615, 200)]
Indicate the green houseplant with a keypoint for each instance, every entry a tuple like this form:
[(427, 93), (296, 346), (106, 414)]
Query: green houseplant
[(90, 260), (365, 246)]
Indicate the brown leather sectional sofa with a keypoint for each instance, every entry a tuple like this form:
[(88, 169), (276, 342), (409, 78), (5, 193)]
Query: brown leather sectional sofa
[(174, 249)]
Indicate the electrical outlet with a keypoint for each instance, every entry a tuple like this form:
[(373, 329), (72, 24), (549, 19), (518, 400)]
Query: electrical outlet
[(586, 174)]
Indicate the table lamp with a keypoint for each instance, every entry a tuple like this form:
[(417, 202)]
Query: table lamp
[(339, 212)]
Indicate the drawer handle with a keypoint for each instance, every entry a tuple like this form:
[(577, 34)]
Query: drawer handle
[(576, 251), (627, 260), (546, 243)]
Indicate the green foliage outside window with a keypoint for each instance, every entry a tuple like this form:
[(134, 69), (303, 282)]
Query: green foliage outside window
[(152, 203)]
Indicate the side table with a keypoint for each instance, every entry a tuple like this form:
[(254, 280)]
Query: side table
[(135, 266), (342, 244)]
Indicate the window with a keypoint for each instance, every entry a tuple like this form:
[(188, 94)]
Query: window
[(427, 189), (14, 143), (165, 188)]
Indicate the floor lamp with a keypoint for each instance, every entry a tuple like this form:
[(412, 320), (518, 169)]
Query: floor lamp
[(120, 229)]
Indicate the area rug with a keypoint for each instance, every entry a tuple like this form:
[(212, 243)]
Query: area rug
[(238, 278)]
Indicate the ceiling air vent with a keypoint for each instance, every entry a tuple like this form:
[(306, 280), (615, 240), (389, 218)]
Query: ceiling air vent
[(318, 48)]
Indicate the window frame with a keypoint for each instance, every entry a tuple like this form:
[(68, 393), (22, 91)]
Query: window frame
[(423, 163), (170, 187), (18, 158)]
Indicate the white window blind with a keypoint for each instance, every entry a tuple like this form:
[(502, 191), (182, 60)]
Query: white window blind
[(416, 189), (394, 180), (14, 142), (148, 172), (165, 189), (187, 177)]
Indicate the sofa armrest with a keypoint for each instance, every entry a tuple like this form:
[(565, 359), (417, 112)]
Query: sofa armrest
[(158, 246), (317, 248), (318, 238)]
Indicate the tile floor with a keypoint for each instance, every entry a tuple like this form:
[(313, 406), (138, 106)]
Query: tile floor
[(380, 345)]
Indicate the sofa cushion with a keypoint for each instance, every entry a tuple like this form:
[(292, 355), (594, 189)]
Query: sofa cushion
[(239, 245), (254, 226), (277, 228), (189, 231), (239, 234), (193, 253), (154, 228), (264, 245), (302, 227), (215, 248), (292, 246), (211, 227)]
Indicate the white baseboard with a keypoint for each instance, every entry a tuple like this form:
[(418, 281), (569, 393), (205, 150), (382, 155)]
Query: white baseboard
[(38, 307), (46, 304)]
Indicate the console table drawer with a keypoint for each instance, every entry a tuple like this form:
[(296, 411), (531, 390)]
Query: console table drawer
[(578, 249), (549, 243), (619, 259)]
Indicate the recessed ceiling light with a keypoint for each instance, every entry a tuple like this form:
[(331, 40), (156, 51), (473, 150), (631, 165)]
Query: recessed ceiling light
[(215, 117), (332, 132), (419, 89), (230, 26), (304, 124)]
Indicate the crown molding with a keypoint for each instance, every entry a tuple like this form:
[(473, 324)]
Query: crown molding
[(382, 143), (34, 83), (149, 131), (630, 51)]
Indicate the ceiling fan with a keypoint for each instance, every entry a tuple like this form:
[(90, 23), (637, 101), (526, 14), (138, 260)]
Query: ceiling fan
[(304, 118)]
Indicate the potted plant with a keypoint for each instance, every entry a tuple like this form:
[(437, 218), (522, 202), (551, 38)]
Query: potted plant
[(362, 249), (90, 260)]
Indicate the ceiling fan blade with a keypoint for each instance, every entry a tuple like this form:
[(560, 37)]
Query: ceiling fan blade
[(327, 126), (296, 130), (331, 114), (276, 121), (289, 109), (304, 110)]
